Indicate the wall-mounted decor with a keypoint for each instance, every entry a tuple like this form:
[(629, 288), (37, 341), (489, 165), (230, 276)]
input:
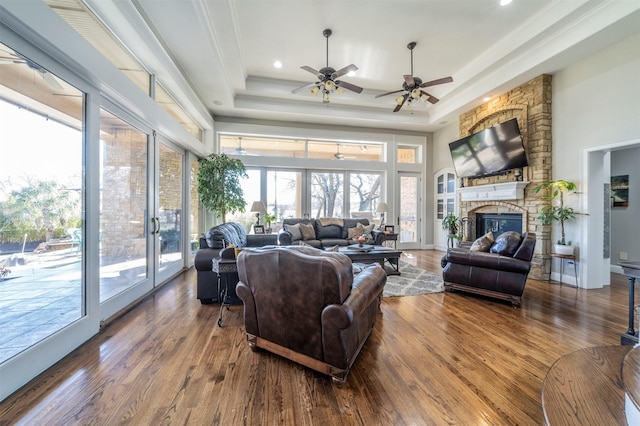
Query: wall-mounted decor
[(620, 190)]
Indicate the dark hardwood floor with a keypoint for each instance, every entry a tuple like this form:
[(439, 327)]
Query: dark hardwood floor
[(446, 358)]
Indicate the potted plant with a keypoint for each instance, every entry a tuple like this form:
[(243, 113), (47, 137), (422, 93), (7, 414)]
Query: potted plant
[(219, 186), (269, 218), (556, 211), (452, 223)]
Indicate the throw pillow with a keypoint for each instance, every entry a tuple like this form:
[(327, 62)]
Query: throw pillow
[(354, 232), (334, 248), (308, 233), (366, 229), (483, 243), (506, 244), (294, 230)]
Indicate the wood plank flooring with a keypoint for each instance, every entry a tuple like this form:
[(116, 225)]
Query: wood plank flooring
[(446, 358)]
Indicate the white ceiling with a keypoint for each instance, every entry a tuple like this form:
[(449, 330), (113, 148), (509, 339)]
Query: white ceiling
[(226, 49)]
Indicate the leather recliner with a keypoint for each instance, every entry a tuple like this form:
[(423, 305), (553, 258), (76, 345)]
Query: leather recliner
[(306, 305), (490, 274)]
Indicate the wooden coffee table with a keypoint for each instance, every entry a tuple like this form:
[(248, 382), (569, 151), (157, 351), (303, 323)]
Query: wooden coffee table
[(375, 254)]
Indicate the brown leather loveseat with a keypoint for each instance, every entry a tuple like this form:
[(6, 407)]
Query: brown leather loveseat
[(306, 305), (501, 274)]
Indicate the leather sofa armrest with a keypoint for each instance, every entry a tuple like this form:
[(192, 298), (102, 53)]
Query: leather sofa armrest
[(204, 257), (259, 240), (284, 237), (367, 286), (378, 237)]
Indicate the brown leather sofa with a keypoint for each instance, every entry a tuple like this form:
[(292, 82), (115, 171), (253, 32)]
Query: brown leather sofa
[(501, 276), (306, 305)]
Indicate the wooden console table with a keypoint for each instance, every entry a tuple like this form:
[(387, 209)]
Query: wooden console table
[(632, 271)]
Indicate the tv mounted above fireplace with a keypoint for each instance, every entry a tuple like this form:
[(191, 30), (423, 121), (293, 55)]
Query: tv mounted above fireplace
[(492, 151)]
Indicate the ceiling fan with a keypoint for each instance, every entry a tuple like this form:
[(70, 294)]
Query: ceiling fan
[(48, 78), (340, 156), (413, 86), (327, 78), (240, 150)]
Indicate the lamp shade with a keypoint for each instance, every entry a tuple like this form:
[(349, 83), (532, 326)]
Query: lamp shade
[(382, 208), (258, 206)]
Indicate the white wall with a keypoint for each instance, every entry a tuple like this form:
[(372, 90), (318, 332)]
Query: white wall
[(441, 140), (596, 106)]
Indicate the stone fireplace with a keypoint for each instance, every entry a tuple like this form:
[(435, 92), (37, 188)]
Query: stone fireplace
[(514, 193)]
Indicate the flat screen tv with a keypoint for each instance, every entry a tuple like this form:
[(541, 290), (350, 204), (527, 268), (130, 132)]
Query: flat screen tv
[(490, 152)]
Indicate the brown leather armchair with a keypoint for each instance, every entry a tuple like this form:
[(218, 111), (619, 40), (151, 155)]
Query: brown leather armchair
[(490, 274), (306, 305)]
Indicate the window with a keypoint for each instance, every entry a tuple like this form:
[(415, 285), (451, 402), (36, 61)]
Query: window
[(41, 204), (81, 19), (292, 148), (166, 101), (409, 154)]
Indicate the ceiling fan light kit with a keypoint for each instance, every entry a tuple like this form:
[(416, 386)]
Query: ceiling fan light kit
[(412, 87), (328, 78)]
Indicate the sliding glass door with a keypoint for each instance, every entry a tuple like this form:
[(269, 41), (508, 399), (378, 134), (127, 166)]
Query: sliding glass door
[(123, 208), (168, 232), (42, 193)]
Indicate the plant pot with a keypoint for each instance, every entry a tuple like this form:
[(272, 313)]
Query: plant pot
[(562, 249)]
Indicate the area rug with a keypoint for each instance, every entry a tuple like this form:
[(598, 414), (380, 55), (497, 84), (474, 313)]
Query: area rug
[(412, 281)]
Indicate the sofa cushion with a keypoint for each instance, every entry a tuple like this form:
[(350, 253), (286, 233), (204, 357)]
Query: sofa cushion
[(329, 231), (308, 231), (483, 243), (294, 230), (506, 244)]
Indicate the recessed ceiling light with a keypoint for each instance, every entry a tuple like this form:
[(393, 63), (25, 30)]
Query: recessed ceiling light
[(488, 98), (505, 2), (277, 64), (351, 73)]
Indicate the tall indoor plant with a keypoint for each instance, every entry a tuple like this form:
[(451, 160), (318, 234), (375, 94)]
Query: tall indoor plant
[(452, 224), (556, 211), (219, 185)]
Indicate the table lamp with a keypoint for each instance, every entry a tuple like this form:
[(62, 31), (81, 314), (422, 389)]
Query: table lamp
[(258, 207), (382, 209)]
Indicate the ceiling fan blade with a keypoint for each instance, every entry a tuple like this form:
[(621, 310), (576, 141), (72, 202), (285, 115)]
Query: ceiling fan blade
[(52, 82), (409, 80), (344, 71), (311, 70), (404, 99), (436, 82), (349, 86), (389, 93), (431, 99), (306, 86)]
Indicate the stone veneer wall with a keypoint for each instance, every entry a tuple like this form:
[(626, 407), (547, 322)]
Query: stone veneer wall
[(530, 103)]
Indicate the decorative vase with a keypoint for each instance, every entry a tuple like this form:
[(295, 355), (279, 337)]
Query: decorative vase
[(563, 249)]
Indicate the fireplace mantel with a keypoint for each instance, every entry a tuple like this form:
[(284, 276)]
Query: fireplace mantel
[(495, 191)]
